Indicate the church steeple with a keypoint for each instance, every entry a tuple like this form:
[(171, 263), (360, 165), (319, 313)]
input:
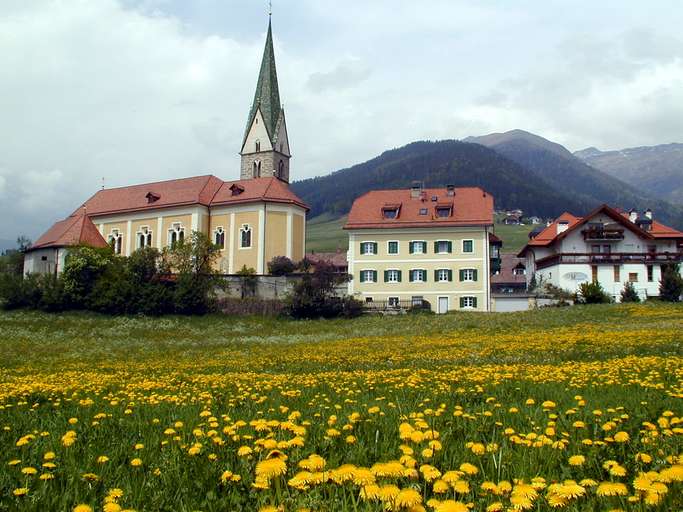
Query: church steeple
[(265, 147)]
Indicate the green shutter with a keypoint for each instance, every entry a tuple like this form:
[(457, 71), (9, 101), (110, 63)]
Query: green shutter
[(411, 248), (436, 247), (436, 275), (474, 302), (450, 247), (386, 276), (424, 247), (374, 247), (374, 276), (450, 275), (362, 276), (462, 275), (475, 274), (410, 276), (361, 248), (424, 272), (462, 302), (399, 276)]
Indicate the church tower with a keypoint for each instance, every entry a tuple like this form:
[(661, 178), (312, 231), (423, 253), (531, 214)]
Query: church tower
[(265, 148)]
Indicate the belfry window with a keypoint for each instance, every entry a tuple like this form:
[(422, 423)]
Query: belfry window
[(257, 168), (257, 145), (280, 169), (219, 237), (245, 236)]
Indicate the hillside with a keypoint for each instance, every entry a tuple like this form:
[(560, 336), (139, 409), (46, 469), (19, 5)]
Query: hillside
[(657, 170), (437, 164), (575, 178)]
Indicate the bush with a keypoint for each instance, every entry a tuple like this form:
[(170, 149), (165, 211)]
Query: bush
[(281, 266), (629, 293), (671, 283), (18, 292), (314, 296), (82, 269), (592, 293)]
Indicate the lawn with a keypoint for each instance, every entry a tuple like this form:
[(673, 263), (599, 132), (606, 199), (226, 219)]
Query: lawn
[(557, 409), (325, 234)]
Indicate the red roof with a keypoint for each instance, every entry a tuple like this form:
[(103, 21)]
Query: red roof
[(338, 259), (506, 275), (550, 235), (471, 206), (205, 190), (77, 229)]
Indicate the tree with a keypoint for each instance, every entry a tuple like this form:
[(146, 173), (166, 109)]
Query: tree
[(248, 281), (315, 295), (671, 283), (592, 293), (82, 269), (629, 293), (281, 266), (12, 261)]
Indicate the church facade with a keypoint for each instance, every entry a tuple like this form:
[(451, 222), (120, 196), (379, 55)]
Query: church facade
[(251, 220)]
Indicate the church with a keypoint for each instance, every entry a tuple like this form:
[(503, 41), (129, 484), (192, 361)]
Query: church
[(252, 220)]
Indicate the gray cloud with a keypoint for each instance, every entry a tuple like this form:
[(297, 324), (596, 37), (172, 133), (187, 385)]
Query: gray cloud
[(348, 73)]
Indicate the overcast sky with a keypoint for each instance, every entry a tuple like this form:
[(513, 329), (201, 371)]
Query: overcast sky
[(143, 90)]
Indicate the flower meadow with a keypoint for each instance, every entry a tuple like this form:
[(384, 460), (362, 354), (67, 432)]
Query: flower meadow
[(568, 409)]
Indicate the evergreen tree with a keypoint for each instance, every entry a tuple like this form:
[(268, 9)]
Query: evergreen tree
[(629, 293), (671, 283)]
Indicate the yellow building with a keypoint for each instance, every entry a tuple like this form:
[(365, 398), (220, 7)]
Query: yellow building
[(252, 219), (410, 246)]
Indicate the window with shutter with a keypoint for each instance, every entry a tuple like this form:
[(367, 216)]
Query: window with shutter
[(467, 246), (442, 247)]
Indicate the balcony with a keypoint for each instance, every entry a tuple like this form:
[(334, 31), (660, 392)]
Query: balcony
[(602, 234), (614, 258)]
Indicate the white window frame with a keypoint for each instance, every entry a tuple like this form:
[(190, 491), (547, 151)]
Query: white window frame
[(465, 273), (422, 276), (363, 247), (463, 246), (398, 247), (466, 299), (423, 243), (219, 229), (148, 236), (438, 242), (244, 229), (372, 275), (177, 228), (116, 236), (438, 274), (389, 270), (393, 298)]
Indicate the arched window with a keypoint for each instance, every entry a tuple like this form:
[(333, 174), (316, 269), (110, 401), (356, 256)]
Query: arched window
[(176, 234), (281, 169), (257, 169), (258, 145), (245, 236), (219, 237), (116, 241), (144, 237)]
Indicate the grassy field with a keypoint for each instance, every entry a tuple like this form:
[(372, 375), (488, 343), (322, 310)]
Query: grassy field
[(324, 234), (559, 409)]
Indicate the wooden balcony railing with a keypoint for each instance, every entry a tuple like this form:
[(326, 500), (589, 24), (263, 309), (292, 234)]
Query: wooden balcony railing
[(609, 258), (600, 234)]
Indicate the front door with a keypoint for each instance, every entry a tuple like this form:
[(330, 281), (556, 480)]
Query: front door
[(443, 305)]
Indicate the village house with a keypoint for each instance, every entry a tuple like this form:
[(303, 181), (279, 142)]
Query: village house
[(252, 219), (415, 246), (606, 245)]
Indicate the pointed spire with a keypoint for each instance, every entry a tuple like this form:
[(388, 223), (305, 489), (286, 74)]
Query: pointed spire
[(267, 96)]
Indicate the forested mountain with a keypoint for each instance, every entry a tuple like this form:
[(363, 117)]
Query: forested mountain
[(520, 170), (657, 170), (437, 164), (574, 177)]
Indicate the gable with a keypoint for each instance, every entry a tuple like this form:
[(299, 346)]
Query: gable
[(281, 138), (257, 132)]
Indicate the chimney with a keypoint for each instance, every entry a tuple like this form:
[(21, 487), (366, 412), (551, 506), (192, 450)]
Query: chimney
[(416, 189), (562, 226), (648, 214), (450, 190), (633, 216)]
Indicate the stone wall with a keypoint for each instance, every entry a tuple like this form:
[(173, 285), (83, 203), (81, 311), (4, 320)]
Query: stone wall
[(264, 286), (269, 163)]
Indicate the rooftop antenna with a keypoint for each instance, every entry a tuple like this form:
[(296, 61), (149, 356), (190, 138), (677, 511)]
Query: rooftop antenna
[(270, 8), (102, 182)]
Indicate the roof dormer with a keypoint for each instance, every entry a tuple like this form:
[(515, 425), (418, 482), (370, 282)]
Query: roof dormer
[(152, 197)]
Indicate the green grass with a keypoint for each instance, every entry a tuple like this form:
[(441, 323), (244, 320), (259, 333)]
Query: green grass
[(325, 234), (221, 383)]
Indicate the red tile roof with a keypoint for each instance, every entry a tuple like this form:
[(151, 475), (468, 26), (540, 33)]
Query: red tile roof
[(471, 206), (549, 235), (506, 276), (77, 229), (338, 259), (205, 190), (257, 189)]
